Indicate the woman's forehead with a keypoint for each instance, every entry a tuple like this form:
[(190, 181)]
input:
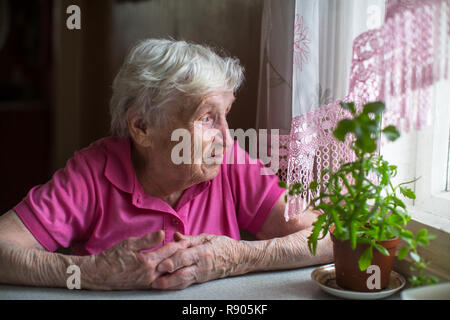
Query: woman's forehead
[(215, 100), (223, 98)]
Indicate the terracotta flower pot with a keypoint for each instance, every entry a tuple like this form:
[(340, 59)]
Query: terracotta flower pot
[(348, 274)]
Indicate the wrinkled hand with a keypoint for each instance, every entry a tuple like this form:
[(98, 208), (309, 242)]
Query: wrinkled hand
[(208, 257), (124, 266)]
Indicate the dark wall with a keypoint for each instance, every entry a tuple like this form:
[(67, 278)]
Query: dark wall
[(25, 97)]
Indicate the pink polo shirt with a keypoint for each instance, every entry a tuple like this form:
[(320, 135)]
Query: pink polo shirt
[(96, 201)]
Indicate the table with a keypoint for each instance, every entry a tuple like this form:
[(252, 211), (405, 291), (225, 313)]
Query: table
[(276, 285)]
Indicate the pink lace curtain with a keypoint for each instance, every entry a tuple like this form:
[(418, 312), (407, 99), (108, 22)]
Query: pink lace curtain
[(306, 50), (397, 63)]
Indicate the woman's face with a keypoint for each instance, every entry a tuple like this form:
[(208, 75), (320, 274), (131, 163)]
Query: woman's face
[(202, 143)]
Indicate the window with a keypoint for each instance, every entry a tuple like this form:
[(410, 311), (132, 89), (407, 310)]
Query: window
[(447, 186), (425, 155), (432, 158)]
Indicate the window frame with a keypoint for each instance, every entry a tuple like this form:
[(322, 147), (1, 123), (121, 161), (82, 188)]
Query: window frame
[(431, 162), (418, 153)]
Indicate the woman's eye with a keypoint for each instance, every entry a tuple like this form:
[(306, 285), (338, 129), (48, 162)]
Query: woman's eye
[(207, 120)]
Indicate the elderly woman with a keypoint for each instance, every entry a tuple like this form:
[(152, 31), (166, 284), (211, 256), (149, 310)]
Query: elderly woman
[(135, 218)]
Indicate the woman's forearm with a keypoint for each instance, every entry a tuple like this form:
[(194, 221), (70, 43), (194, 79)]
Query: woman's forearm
[(24, 266), (33, 267), (282, 253)]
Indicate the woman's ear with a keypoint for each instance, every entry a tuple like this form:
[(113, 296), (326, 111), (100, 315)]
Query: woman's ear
[(139, 130)]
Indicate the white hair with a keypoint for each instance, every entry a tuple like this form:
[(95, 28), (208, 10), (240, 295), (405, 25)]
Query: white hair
[(159, 72)]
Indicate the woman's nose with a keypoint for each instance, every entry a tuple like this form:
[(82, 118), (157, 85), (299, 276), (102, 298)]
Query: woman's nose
[(225, 133)]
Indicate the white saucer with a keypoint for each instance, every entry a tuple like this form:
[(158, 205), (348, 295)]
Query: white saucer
[(325, 277)]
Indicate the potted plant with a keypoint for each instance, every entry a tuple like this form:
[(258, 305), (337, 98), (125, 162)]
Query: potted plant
[(362, 209)]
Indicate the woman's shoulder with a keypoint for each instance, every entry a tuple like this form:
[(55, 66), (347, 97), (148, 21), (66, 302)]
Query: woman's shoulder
[(96, 155)]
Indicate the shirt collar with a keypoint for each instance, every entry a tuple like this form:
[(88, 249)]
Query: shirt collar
[(120, 172), (119, 169)]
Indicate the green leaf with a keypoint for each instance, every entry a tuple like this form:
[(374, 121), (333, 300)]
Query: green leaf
[(423, 242), (313, 185), (414, 281), (336, 220), (407, 192), (396, 219), (282, 184), (371, 125), (422, 237), (406, 235), (396, 201), (431, 236), (349, 106), (366, 259), (395, 230), (432, 280), (344, 126), (384, 177), (382, 249), (373, 211), (414, 256), (374, 107), (314, 236), (363, 240), (364, 141), (402, 253), (393, 169), (421, 233), (391, 133), (324, 172), (366, 145)]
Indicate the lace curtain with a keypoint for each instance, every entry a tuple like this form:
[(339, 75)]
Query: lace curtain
[(397, 63), (306, 48)]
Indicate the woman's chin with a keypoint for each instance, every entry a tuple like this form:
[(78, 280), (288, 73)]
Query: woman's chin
[(210, 170)]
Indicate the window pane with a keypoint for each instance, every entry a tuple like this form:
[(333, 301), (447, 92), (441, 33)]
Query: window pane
[(447, 188)]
